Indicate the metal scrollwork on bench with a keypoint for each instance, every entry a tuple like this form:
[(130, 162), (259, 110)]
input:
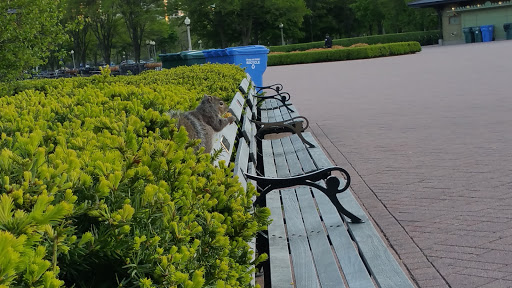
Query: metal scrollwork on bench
[(293, 125), (276, 87), (331, 188), (283, 97)]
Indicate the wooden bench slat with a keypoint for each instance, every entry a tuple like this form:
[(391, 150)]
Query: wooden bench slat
[(242, 161), (253, 147), (382, 264), (291, 157), (225, 141), (244, 86), (306, 162), (280, 160), (269, 165), (247, 127), (302, 259), (325, 263), (317, 154), (280, 266), (251, 169), (237, 106), (350, 261)]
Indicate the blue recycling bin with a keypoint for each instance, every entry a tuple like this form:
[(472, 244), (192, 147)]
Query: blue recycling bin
[(222, 56), (253, 58), (487, 32), (216, 56), (209, 56)]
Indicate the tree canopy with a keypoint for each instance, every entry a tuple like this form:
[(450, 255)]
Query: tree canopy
[(30, 32)]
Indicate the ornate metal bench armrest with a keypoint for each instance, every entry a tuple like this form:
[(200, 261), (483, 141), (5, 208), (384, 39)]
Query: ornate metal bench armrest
[(332, 184), (275, 87), (283, 97), (293, 125)]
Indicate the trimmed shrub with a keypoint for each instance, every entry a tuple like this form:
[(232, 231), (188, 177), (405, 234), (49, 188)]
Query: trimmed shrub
[(422, 37), (327, 55), (98, 188)]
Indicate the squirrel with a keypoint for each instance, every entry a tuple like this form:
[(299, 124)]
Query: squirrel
[(205, 120)]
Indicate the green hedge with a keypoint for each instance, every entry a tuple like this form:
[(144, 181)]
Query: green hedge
[(98, 188), (326, 55), (423, 37)]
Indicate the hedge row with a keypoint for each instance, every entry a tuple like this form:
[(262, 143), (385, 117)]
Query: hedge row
[(326, 55), (422, 37), (98, 188)]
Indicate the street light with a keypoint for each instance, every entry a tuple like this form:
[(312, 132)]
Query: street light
[(73, 56), (151, 48), (154, 48), (187, 22), (148, 43), (282, 37)]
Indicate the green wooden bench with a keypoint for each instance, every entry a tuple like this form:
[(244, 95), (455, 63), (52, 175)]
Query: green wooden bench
[(320, 236)]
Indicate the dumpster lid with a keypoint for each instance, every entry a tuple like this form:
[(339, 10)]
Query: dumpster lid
[(192, 54), (247, 50), (171, 56), (210, 52)]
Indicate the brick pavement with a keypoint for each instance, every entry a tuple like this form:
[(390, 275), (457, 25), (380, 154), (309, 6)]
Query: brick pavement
[(428, 140)]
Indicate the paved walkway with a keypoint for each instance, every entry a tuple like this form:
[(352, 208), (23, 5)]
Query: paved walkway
[(428, 140)]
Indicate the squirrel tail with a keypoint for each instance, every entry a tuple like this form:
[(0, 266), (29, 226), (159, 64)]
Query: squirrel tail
[(174, 113)]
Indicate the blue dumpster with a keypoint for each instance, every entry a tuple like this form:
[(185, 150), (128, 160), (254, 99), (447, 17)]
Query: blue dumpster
[(487, 32), (253, 58), (214, 55), (208, 55), (222, 56)]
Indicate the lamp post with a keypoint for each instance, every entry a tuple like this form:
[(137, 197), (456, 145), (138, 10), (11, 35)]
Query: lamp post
[(73, 56), (151, 48), (148, 44), (282, 37), (187, 22), (154, 48)]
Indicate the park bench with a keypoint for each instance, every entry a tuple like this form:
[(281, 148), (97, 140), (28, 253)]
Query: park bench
[(319, 235)]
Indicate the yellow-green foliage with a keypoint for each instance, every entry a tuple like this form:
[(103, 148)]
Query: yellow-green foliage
[(99, 189), (326, 55)]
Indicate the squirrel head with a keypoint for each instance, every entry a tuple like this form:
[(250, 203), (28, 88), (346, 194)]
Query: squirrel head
[(216, 103)]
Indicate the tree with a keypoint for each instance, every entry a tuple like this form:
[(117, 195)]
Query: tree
[(163, 33), (104, 20), (77, 26), (30, 31), (137, 14), (242, 22), (369, 16), (274, 12)]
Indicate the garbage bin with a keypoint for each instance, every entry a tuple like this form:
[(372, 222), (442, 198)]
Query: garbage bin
[(468, 35), (252, 58), (210, 55), (487, 32), (171, 60), (508, 29), (478, 33), (193, 57)]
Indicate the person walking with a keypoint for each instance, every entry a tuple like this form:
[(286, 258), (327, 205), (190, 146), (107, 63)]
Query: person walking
[(328, 41)]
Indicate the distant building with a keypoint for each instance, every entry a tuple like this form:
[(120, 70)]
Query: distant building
[(455, 15)]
